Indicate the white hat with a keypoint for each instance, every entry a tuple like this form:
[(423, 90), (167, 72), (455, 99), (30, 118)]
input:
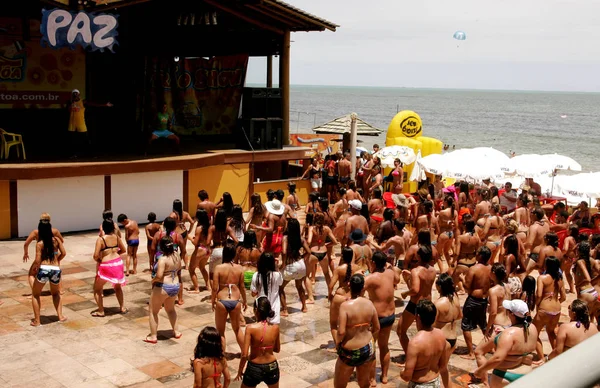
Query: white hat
[(75, 91), (355, 204), (275, 207), (399, 200), (517, 307)]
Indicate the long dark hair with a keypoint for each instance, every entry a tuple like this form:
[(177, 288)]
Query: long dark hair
[(263, 308), (227, 203), (45, 235), (167, 247), (552, 239), (178, 208), (220, 220), (499, 270), (294, 238), (511, 246), (446, 285), (528, 288), (257, 204), (209, 344), (170, 224), (347, 255), (266, 264), (582, 314), (319, 221), (553, 269), (108, 226), (249, 240), (574, 231), (584, 254), (203, 221), (450, 203), (424, 237), (237, 218)]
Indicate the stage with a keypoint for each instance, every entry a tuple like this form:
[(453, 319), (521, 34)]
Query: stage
[(75, 193)]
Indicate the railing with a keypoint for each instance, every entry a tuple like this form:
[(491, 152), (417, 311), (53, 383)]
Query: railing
[(576, 368)]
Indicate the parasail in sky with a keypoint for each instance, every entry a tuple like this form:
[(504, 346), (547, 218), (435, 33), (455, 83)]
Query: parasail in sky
[(460, 35)]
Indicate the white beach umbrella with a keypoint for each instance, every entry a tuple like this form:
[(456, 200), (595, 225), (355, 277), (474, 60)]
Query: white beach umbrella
[(476, 163), (387, 155), (418, 173), (562, 162), (360, 150), (434, 164), (580, 185), (534, 165)]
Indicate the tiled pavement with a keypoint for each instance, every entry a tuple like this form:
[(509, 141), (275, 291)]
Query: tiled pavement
[(109, 351)]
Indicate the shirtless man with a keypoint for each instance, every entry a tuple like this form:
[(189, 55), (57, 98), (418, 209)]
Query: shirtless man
[(356, 220), (351, 192), (288, 212), (422, 279), (132, 236), (395, 245), (477, 285), (340, 206), (345, 169), (205, 204), (428, 352), (428, 221), (276, 225), (535, 238), (560, 222), (380, 285)]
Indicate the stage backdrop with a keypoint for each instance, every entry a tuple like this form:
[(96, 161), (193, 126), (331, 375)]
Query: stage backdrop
[(203, 95), (32, 76), (320, 144)]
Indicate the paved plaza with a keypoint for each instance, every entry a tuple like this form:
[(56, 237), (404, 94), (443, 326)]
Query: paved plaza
[(109, 351)]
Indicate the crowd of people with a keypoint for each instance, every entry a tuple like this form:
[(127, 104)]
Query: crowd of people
[(499, 248)]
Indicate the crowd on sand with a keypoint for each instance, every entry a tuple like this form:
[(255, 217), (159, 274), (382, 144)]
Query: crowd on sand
[(514, 257)]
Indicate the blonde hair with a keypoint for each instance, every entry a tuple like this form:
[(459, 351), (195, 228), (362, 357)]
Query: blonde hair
[(512, 226), (45, 216)]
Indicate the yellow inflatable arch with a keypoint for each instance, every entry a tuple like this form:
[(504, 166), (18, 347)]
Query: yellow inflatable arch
[(406, 129)]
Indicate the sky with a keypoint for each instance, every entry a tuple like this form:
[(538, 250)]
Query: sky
[(511, 45)]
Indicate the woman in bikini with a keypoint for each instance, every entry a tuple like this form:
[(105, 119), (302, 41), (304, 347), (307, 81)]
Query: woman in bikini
[(169, 226), (49, 251), (483, 207), (313, 172), (312, 206), (109, 267), (367, 170), (342, 293), (237, 223), (398, 176), (447, 221), (34, 235), (464, 197), (292, 199), (516, 266), (181, 217), (247, 256), (569, 254), (260, 343), (585, 270), (428, 221), (201, 253), (226, 203), (494, 198), (522, 214), (493, 230), (294, 264), (209, 362), (549, 295), (513, 348), (218, 234), (358, 327), (498, 319), (449, 312), (165, 287), (551, 249), (227, 288), (411, 259), (576, 331), (376, 208), (466, 252), (376, 177), (257, 215), (317, 240)]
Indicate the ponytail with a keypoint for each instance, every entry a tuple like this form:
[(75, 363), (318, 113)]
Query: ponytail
[(347, 256)]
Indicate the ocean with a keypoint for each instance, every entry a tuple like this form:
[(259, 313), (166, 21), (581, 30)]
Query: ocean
[(520, 121)]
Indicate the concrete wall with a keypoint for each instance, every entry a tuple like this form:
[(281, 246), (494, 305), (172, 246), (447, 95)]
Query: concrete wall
[(4, 210), (216, 180)]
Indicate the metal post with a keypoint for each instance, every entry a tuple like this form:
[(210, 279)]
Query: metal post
[(284, 84), (353, 144), (269, 71)]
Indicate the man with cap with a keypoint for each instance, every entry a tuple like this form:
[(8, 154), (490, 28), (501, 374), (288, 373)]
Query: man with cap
[(276, 225), (512, 348), (77, 126), (356, 220)]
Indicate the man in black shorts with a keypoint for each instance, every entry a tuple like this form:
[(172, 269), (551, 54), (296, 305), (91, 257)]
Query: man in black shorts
[(477, 285)]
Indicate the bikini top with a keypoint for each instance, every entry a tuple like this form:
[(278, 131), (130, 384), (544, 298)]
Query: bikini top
[(173, 272), (496, 343), (106, 245), (395, 173), (262, 338), (216, 375)]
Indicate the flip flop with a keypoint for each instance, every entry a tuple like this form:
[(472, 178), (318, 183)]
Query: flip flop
[(123, 312), (96, 314), (177, 336), (149, 341)]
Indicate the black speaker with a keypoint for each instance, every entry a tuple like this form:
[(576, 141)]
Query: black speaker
[(254, 103), (274, 103), (274, 138), (255, 131)]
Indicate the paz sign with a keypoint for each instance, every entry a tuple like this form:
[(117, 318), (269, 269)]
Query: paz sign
[(62, 28)]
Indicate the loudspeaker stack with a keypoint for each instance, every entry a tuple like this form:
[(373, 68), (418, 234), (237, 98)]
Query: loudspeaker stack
[(261, 119)]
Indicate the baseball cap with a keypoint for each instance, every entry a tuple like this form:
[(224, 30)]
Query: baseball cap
[(355, 204), (517, 307)]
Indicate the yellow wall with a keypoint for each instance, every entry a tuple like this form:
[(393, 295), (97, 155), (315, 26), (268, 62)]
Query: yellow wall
[(4, 210), (302, 189), (232, 178)]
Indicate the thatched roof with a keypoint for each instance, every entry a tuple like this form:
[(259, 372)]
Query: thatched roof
[(341, 125)]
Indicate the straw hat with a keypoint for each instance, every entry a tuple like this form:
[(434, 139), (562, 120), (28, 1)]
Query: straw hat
[(400, 200), (275, 207)]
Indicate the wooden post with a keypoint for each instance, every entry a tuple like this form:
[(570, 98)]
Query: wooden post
[(284, 84), (353, 144), (269, 71)]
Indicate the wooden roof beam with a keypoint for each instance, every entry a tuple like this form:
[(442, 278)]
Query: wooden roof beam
[(307, 19), (274, 15), (246, 18)]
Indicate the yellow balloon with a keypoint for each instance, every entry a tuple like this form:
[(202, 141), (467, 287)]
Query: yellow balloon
[(407, 124)]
